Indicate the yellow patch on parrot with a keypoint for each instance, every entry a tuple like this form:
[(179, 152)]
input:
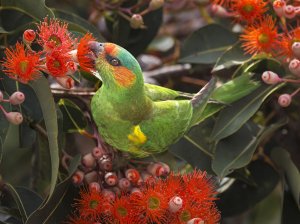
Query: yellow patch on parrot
[(137, 137)]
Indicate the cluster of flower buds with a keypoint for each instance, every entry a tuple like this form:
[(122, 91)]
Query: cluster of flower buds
[(271, 78), (97, 171), (176, 198), (16, 98), (60, 54), (283, 10)]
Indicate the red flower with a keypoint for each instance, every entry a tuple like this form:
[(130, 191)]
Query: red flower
[(153, 203), (248, 10), (122, 211), (286, 42), (53, 34), (90, 204), (20, 64), (84, 54), (57, 63), (260, 37)]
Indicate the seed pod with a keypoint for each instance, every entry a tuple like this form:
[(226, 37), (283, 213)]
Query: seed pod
[(95, 187), (91, 177), (195, 221), (105, 164), (175, 204), (17, 98), (136, 21), (124, 184), (111, 179), (279, 7), (294, 67), (88, 160), (77, 177), (65, 82), (29, 36), (285, 100), (158, 169), (133, 175), (14, 117), (156, 4), (97, 152), (270, 77), (289, 12), (296, 49)]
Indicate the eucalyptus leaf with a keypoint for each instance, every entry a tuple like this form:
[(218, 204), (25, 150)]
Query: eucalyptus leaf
[(34, 8), (283, 159), (73, 117), (240, 196), (233, 56), (207, 44), (60, 204), (43, 92), (234, 116)]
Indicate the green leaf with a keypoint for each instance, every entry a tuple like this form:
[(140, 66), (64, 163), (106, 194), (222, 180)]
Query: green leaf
[(43, 92), (73, 117), (234, 116), (231, 153), (77, 23), (34, 8), (283, 159), (17, 200), (240, 196), (231, 57), (269, 211), (207, 44), (58, 206)]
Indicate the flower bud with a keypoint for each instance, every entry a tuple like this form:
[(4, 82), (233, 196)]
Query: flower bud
[(88, 160), (158, 169), (296, 49), (106, 164), (195, 221), (175, 204), (29, 36), (279, 7), (14, 117), (111, 179), (133, 175), (95, 187), (17, 98), (294, 67), (218, 10), (109, 195), (124, 184), (289, 12), (72, 67), (156, 4), (65, 82), (270, 77), (91, 177), (77, 177), (136, 21), (148, 178), (285, 100), (97, 152), (1, 96), (136, 191), (117, 191)]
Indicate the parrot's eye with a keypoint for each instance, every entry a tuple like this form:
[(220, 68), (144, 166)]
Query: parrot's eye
[(114, 62)]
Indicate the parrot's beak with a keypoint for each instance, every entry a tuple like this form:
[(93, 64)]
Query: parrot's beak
[(97, 49)]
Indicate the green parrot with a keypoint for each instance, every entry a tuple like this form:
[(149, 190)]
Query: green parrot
[(136, 117)]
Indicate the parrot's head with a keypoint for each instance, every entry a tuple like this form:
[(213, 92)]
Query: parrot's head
[(115, 66)]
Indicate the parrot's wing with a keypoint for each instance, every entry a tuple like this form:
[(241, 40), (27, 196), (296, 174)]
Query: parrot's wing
[(159, 93)]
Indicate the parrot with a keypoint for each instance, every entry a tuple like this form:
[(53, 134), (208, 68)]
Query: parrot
[(133, 116)]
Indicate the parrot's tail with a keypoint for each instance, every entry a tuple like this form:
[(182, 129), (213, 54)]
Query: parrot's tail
[(200, 100)]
